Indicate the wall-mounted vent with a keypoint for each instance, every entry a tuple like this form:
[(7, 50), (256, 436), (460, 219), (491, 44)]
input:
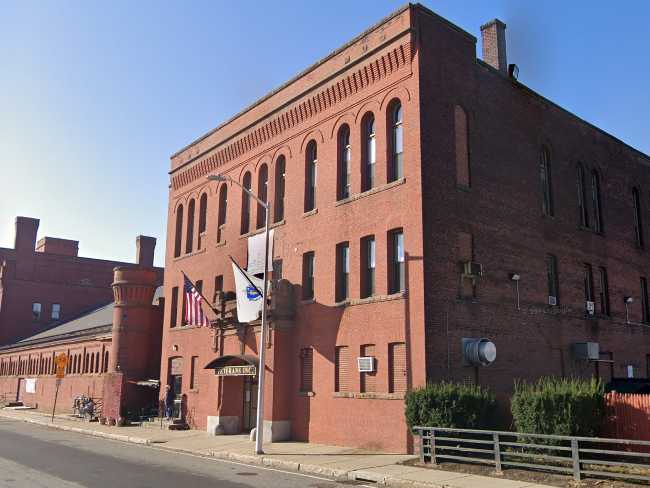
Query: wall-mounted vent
[(366, 364), (552, 301), (478, 352), (588, 351)]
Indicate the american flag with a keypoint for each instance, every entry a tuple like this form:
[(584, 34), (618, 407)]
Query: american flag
[(193, 311)]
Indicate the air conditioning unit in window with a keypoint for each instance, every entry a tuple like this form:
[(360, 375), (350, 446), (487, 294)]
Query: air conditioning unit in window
[(366, 364), (552, 301), (473, 269), (591, 307), (589, 351)]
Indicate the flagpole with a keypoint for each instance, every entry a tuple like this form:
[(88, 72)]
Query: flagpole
[(259, 432), (259, 425)]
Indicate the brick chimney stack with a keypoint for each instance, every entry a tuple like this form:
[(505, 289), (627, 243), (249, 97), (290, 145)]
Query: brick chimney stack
[(494, 45), (26, 230), (145, 247)]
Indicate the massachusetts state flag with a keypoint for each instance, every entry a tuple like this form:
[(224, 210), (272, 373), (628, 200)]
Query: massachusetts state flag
[(193, 311)]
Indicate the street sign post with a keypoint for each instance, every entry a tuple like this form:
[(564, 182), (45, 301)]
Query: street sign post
[(61, 361)]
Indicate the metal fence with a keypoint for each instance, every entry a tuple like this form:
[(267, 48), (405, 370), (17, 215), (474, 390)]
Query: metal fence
[(576, 456)]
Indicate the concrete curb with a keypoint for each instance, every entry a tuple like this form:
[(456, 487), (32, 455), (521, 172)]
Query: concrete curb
[(312, 469), (94, 433)]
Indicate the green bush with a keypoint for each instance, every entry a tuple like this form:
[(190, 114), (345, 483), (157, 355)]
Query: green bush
[(450, 405), (559, 406)]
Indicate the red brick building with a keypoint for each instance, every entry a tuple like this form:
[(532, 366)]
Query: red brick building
[(420, 196), (105, 316)]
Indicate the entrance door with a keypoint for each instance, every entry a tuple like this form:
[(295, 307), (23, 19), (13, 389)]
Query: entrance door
[(177, 388), (20, 393), (250, 403)]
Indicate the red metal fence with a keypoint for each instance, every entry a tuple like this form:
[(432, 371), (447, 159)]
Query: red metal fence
[(628, 416)]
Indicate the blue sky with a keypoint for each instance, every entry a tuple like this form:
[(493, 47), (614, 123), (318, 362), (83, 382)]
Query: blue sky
[(95, 96)]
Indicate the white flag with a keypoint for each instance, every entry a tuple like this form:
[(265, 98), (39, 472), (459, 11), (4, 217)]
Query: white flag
[(256, 246), (249, 299)]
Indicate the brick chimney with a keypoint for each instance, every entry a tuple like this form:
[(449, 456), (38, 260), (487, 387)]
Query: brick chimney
[(26, 230), (145, 247), (54, 245), (494, 45)]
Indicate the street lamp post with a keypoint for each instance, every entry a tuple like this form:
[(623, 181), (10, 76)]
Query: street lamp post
[(259, 425)]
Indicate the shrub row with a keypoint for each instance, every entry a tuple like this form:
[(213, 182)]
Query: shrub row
[(556, 406)]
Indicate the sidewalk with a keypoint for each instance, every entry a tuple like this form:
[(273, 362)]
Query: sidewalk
[(338, 463)]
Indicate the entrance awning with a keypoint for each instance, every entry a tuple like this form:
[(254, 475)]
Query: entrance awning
[(233, 360), (239, 365)]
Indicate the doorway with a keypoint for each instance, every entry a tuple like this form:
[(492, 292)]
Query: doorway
[(250, 403), (176, 381)]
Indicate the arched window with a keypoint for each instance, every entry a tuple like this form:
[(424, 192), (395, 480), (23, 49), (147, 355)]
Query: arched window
[(189, 242), (246, 205), (262, 193), (179, 231), (344, 161), (203, 211), (595, 201), (396, 145), (105, 361), (311, 159), (582, 202), (223, 208), (97, 362), (92, 363), (280, 168), (545, 178), (369, 152)]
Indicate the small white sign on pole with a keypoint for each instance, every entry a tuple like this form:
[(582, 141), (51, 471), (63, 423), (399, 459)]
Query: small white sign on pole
[(256, 246), (30, 385)]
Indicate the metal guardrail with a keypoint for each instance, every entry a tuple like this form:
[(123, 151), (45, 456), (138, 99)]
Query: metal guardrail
[(578, 456)]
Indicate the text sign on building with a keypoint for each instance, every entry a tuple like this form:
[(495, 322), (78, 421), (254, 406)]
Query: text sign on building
[(247, 370), (61, 362)]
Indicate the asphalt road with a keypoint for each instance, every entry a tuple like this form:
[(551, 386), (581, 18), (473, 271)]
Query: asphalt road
[(37, 457)]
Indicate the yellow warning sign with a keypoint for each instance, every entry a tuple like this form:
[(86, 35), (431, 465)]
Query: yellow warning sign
[(61, 361)]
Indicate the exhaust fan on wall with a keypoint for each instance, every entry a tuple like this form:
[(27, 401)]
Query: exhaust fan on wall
[(478, 352)]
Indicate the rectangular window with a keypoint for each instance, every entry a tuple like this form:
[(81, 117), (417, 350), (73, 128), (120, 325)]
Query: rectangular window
[(397, 377), (552, 279), (56, 311), (545, 176), (306, 369), (199, 286), (368, 265), (645, 306), (218, 286), (36, 311), (369, 380), (647, 366), (341, 369), (194, 380), (595, 202), (588, 283), (461, 135), (173, 320), (183, 321), (582, 203), (604, 291), (397, 277), (276, 274), (638, 221), (342, 271), (308, 262), (605, 367)]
